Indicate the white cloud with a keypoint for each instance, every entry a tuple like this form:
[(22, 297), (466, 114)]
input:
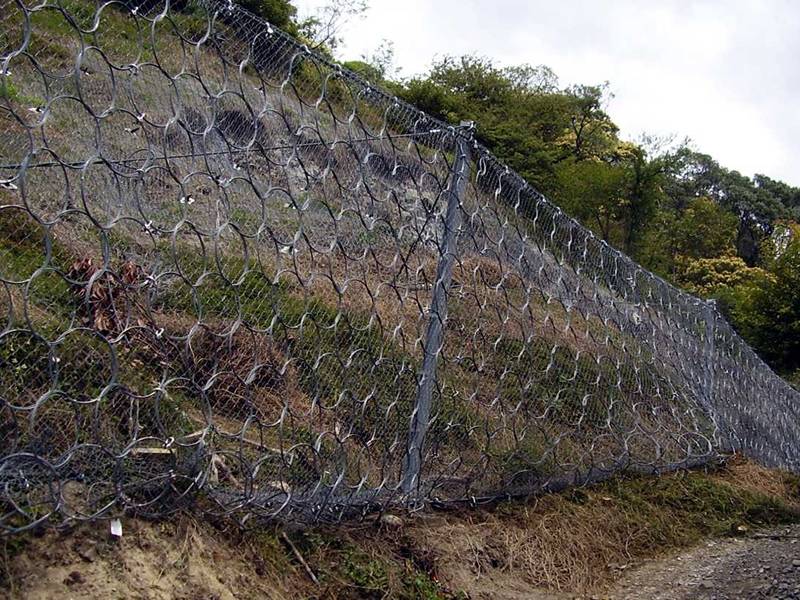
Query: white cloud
[(725, 73)]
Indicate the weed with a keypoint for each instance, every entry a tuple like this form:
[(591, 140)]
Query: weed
[(8, 91), (366, 573)]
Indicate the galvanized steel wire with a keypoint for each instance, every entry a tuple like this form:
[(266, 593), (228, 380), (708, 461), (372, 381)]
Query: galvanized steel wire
[(235, 275)]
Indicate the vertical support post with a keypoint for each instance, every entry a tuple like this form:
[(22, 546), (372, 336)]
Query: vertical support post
[(711, 328), (437, 314)]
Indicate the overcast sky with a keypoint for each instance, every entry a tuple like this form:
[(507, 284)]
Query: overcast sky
[(725, 73)]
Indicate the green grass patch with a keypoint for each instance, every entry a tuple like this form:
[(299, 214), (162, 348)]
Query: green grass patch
[(680, 509), (363, 567)]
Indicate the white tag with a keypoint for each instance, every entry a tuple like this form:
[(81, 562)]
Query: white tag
[(116, 528)]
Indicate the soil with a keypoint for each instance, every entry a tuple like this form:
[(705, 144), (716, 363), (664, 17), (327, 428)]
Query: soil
[(595, 543), (152, 561), (763, 565)]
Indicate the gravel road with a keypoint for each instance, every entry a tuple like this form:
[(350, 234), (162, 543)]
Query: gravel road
[(764, 565)]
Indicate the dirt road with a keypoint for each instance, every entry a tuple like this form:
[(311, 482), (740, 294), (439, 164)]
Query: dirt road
[(763, 565)]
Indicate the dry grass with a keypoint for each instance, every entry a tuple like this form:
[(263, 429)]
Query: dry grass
[(551, 543), (582, 539), (742, 474)]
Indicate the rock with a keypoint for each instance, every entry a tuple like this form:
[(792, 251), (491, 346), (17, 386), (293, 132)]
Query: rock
[(796, 563), (280, 485), (392, 521), (88, 552)]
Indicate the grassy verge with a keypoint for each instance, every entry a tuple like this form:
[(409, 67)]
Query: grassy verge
[(583, 538)]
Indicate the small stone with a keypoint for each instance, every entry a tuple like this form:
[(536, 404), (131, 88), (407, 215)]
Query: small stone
[(86, 549), (796, 563), (74, 578), (392, 521)]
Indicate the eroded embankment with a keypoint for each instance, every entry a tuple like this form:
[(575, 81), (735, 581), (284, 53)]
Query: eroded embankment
[(578, 541)]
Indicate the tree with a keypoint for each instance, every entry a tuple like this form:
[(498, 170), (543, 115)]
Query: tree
[(617, 194), (591, 132), (767, 312), (280, 13), (323, 28), (717, 277), (520, 113), (365, 69), (377, 66), (787, 195), (758, 202), (644, 189), (704, 230), (593, 191), (673, 239)]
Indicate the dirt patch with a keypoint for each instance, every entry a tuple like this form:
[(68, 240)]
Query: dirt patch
[(155, 561), (582, 539)]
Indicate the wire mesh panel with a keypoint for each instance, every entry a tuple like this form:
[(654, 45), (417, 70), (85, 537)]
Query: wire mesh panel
[(759, 411), (563, 360), (216, 257), (229, 266)]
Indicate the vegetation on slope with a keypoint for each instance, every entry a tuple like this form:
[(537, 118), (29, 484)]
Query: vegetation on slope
[(677, 211), (673, 209), (578, 540)]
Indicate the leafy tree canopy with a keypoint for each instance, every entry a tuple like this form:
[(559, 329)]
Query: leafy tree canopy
[(674, 209), (767, 310), (280, 13)]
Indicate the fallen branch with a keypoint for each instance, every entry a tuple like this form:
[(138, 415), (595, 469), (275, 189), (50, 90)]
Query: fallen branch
[(299, 557)]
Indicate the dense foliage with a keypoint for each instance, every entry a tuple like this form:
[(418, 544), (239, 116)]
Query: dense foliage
[(280, 13)]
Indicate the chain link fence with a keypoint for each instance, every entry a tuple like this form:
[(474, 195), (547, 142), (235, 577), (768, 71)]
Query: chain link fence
[(236, 275)]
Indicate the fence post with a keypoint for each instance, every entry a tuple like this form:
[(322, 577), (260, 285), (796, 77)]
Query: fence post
[(710, 312), (711, 328), (437, 314)]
